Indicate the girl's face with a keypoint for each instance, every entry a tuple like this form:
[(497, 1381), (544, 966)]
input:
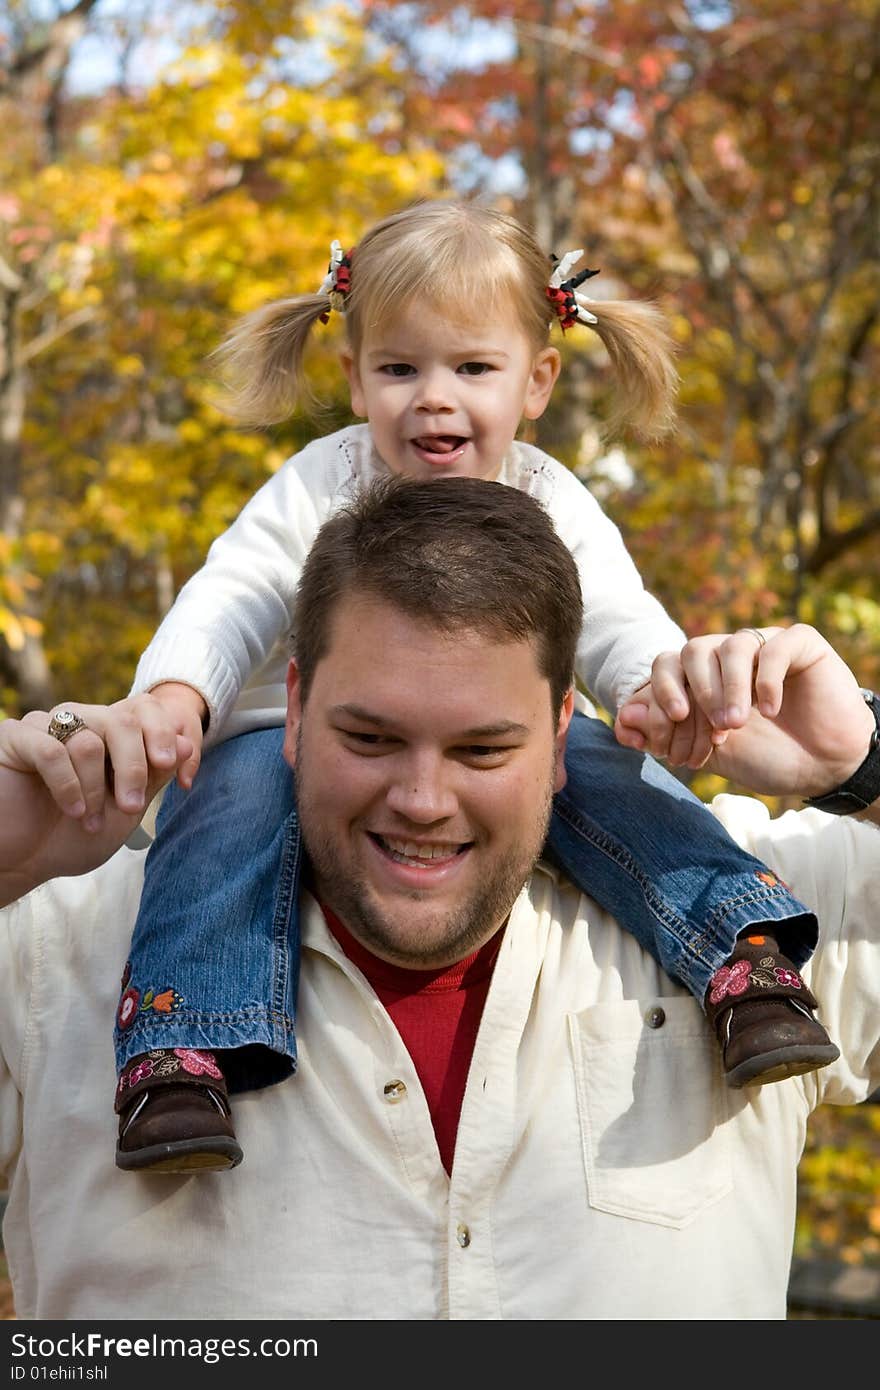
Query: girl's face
[(446, 400)]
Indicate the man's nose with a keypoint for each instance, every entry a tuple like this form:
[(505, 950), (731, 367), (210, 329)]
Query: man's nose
[(422, 791)]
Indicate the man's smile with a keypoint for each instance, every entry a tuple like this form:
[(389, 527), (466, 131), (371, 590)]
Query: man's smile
[(413, 852)]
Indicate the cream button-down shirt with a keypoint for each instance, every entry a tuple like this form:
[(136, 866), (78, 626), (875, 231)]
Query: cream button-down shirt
[(602, 1169)]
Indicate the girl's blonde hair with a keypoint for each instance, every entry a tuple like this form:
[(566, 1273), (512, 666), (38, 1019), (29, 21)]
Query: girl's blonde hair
[(462, 260)]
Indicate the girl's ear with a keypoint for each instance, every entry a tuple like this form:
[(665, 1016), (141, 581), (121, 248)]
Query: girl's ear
[(355, 390), (542, 379)]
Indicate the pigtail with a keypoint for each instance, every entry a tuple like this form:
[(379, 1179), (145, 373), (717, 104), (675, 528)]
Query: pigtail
[(640, 346), (261, 360)]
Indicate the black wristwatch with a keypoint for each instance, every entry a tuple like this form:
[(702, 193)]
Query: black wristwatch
[(859, 791)]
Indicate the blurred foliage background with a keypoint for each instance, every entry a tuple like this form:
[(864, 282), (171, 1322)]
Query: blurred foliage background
[(165, 168)]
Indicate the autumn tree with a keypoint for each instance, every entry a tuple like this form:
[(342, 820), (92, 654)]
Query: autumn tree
[(170, 208), (41, 279), (723, 157)]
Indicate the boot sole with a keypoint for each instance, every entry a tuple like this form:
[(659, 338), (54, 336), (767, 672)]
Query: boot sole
[(780, 1064), (183, 1156)]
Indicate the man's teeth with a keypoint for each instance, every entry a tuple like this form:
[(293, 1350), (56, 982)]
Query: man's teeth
[(408, 850)]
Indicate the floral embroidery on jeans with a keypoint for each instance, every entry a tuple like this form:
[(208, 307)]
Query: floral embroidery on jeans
[(132, 1003), (770, 879)]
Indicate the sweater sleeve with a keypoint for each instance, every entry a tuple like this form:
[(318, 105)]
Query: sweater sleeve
[(230, 615), (625, 626)]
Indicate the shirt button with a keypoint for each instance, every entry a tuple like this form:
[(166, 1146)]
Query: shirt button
[(656, 1017), (394, 1091), (463, 1235)]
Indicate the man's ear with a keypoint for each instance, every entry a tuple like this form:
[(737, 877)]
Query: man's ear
[(545, 370), (353, 377), (294, 713), (565, 715)]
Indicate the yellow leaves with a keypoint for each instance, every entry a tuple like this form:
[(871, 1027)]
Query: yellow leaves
[(191, 431), (16, 587), (42, 546), (702, 385), (273, 460), (12, 629), (176, 208), (854, 613), (128, 366)]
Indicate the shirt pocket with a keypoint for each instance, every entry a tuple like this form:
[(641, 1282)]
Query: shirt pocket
[(652, 1109)]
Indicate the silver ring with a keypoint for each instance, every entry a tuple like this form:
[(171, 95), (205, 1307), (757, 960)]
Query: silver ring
[(64, 724), (756, 632)]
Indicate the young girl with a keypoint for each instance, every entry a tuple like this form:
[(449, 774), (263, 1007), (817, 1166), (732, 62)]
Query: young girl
[(448, 309)]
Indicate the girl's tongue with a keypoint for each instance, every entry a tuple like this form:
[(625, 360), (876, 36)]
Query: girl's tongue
[(439, 443)]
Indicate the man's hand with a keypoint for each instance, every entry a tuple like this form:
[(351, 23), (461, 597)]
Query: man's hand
[(803, 727), (66, 807), (644, 722), (694, 698)]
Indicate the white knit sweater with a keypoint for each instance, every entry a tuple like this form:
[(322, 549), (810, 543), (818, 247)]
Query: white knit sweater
[(228, 633)]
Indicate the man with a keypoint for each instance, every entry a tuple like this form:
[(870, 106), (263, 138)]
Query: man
[(601, 1167)]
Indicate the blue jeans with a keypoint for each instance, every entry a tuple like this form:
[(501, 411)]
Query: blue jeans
[(215, 956)]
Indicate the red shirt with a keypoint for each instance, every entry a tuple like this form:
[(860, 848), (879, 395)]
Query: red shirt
[(437, 1014)]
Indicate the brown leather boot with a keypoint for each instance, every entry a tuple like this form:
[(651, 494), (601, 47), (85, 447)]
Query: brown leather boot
[(174, 1115), (763, 1014)]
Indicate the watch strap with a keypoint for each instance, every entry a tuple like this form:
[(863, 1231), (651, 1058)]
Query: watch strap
[(863, 788)]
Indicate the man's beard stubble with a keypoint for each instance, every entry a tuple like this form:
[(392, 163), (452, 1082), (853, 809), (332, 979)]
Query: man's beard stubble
[(466, 928)]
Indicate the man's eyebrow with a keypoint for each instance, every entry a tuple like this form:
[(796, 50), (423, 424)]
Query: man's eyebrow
[(501, 728), (365, 716), (504, 728)]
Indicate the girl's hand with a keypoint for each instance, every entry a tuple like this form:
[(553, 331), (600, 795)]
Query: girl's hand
[(695, 698), (123, 750), (644, 723), (188, 713)]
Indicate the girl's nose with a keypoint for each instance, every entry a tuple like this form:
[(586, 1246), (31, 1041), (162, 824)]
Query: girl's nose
[(434, 393)]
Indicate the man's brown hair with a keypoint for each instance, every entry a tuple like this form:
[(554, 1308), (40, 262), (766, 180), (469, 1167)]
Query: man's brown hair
[(460, 554)]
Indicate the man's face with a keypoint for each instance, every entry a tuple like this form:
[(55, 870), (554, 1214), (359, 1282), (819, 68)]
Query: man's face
[(425, 767)]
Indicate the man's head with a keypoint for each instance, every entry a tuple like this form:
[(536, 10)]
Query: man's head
[(430, 693), (457, 553)]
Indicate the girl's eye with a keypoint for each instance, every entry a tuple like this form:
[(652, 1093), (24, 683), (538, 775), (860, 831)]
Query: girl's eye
[(398, 369), (474, 368)]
